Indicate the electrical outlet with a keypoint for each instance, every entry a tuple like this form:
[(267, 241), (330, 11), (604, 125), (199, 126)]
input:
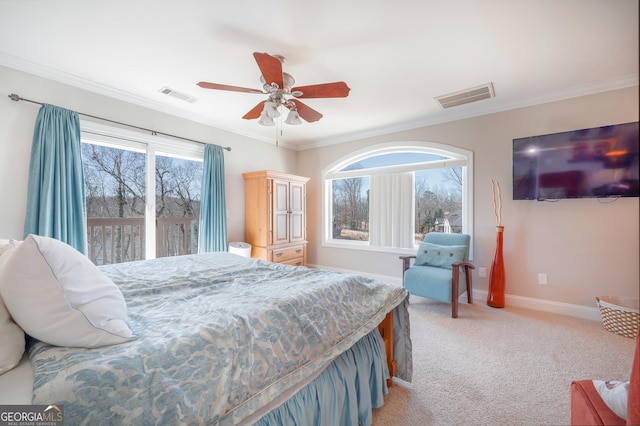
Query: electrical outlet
[(542, 279), (482, 272)]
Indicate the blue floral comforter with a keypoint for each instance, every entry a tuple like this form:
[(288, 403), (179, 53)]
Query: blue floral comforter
[(219, 337)]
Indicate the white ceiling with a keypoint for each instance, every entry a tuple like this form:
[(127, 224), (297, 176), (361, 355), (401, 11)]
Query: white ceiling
[(396, 56)]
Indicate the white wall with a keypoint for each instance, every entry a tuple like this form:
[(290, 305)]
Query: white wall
[(586, 247), (17, 120)]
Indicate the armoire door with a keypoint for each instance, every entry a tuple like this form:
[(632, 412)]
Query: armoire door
[(280, 211), (296, 212)]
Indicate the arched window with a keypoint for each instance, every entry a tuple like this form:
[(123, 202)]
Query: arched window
[(388, 196)]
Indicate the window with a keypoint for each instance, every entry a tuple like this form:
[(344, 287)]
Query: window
[(142, 193), (178, 196), (388, 196), (115, 191)]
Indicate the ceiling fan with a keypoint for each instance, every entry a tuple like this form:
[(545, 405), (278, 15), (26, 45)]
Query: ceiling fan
[(278, 86)]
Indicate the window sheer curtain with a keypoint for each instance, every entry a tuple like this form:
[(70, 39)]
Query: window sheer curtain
[(213, 211), (56, 198), (392, 210)]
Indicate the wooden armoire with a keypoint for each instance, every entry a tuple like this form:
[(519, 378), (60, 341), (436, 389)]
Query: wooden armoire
[(275, 216)]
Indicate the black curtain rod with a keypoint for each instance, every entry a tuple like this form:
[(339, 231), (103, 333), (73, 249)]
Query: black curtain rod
[(16, 98)]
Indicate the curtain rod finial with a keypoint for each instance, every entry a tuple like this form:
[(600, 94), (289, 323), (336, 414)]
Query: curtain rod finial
[(14, 97)]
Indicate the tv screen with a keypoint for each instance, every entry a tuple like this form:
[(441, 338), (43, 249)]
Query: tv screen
[(597, 163)]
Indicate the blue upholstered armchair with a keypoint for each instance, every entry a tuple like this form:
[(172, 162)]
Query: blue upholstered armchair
[(441, 262)]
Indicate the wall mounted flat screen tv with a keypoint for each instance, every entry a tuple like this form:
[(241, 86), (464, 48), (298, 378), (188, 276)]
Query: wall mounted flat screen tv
[(589, 163)]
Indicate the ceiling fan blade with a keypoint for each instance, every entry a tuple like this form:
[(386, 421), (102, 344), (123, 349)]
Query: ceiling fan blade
[(270, 67), (338, 89), (307, 113), (206, 85), (255, 112)]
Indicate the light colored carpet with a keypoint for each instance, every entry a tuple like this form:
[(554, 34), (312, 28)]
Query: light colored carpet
[(508, 366)]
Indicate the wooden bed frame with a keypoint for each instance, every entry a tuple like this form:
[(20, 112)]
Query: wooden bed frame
[(386, 330)]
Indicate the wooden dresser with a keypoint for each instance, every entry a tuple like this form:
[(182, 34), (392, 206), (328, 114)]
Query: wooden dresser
[(275, 216)]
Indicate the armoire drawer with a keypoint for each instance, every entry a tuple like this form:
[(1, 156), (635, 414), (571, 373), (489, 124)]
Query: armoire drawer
[(282, 255), (299, 261)]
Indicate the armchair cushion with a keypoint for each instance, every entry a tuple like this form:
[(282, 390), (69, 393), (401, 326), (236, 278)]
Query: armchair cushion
[(440, 256), (430, 281)]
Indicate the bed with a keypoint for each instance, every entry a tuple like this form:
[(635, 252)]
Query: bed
[(212, 338)]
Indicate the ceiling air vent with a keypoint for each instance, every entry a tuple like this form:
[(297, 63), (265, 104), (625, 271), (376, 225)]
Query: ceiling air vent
[(466, 96), (178, 95)]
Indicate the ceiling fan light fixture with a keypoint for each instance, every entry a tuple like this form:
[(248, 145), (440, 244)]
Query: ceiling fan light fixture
[(293, 117), (271, 109), (265, 120)]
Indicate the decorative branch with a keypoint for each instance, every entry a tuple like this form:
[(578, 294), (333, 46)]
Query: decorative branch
[(497, 201)]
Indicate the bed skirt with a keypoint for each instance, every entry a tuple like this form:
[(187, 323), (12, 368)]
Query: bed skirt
[(345, 393)]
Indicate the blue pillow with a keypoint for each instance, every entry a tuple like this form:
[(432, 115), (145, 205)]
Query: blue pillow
[(440, 256)]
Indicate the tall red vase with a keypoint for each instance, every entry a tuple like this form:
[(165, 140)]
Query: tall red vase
[(495, 298)]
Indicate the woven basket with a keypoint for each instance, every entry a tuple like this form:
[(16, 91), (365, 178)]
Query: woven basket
[(620, 315)]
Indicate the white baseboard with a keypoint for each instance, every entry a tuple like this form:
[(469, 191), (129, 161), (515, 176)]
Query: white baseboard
[(579, 311), (552, 306)]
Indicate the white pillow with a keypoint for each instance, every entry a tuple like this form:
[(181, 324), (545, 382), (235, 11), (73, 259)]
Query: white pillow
[(615, 394), (6, 245), (11, 336), (58, 296)]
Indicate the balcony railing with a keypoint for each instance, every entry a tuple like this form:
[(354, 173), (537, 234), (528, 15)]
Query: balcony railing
[(176, 236), (115, 240)]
